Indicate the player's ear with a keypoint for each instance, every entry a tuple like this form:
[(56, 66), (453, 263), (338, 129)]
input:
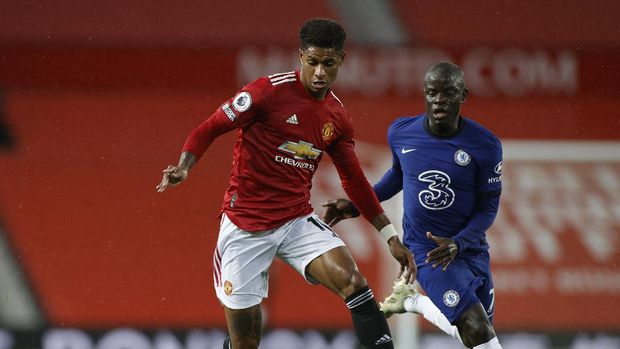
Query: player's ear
[(465, 93), (342, 56), (301, 56)]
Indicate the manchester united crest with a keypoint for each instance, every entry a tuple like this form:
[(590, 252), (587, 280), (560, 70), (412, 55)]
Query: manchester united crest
[(228, 287), (328, 131)]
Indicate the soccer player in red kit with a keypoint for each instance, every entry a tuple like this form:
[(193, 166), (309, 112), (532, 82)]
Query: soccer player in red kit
[(285, 123)]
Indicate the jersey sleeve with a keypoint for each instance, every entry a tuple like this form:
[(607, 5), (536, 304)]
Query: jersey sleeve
[(237, 112), (392, 181), (487, 205), (487, 198), (490, 168), (354, 181)]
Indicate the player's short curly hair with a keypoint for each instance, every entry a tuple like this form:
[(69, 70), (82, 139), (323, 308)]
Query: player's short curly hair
[(456, 73), (322, 32)]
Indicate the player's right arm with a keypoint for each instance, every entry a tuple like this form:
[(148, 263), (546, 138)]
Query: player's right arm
[(339, 209), (237, 112), (195, 146), (356, 186), (174, 175)]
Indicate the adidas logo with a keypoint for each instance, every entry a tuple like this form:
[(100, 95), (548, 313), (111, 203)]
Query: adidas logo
[(384, 339), (292, 120)]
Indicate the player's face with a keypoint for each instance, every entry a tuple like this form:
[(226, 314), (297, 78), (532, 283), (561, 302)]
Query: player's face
[(443, 99), (319, 69)]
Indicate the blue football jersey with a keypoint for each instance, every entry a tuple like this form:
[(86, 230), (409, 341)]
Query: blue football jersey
[(444, 182)]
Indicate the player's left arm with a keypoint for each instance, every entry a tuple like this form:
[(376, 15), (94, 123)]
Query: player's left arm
[(489, 188), (474, 233), (389, 185), (338, 209), (355, 184), (487, 205), (486, 208)]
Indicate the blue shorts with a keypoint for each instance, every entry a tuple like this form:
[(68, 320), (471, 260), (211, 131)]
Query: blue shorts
[(466, 281)]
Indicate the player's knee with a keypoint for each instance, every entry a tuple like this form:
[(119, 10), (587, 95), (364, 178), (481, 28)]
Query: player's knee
[(358, 281), (354, 281), (475, 330)]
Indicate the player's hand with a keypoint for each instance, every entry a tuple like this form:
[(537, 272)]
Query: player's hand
[(173, 175), (444, 253), (336, 210), (405, 258)]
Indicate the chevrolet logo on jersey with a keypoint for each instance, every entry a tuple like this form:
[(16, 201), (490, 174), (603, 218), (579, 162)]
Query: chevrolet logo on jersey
[(301, 150)]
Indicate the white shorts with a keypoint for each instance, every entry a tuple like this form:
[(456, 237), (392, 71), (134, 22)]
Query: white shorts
[(242, 259)]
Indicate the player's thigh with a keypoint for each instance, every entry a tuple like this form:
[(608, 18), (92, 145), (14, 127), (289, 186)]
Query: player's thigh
[(311, 247), (336, 270), (481, 267), (244, 326), (241, 264), (453, 291)]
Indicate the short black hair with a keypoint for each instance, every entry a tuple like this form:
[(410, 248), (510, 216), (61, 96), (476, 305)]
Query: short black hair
[(445, 67), (322, 32)]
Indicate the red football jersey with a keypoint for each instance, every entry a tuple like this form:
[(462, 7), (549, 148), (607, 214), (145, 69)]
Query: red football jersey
[(283, 132)]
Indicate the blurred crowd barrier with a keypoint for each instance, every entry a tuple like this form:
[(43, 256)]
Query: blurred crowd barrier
[(131, 338)]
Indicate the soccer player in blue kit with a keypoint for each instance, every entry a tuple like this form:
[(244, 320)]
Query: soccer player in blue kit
[(449, 169)]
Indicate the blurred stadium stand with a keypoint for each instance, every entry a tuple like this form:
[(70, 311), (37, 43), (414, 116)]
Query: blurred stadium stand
[(100, 96), (572, 24)]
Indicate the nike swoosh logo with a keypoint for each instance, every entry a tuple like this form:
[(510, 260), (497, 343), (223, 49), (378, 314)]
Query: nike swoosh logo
[(405, 151)]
